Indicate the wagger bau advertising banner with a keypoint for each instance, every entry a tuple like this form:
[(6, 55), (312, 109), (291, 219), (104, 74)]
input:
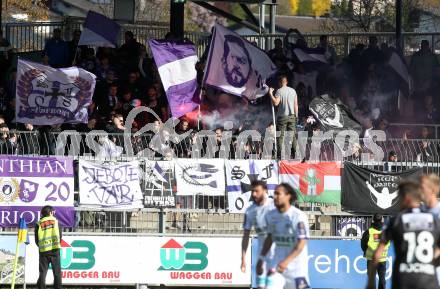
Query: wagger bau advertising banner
[(102, 260)]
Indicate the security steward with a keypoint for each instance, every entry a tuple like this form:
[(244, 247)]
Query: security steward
[(370, 242), (48, 240)]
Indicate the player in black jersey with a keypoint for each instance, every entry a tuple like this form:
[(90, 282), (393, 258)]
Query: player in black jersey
[(416, 238)]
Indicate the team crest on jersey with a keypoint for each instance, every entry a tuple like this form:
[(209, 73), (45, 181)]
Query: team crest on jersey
[(301, 283)]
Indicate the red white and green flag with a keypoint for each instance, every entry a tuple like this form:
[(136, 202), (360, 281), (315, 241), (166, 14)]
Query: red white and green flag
[(314, 182)]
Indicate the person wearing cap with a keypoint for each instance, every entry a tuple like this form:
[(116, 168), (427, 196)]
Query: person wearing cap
[(369, 243)]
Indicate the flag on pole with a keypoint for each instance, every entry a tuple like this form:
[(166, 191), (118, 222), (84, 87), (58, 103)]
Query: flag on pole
[(47, 96), (176, 63), (400, 67), (99, 31), (237, 66), (23, 236)]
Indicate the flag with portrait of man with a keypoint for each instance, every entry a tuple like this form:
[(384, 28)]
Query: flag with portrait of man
[(237, 66)]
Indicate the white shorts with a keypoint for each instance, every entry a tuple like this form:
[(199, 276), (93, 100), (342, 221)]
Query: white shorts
[(286, 280)]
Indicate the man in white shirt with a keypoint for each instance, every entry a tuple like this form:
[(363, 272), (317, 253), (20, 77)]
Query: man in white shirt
[(255, 217), (430, 187)]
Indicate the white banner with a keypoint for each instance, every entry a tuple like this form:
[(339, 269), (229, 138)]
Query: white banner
[(237, 66), (200, 176), (160, 184), (239, 176), (100, 260), (115, 185), (47, 96)]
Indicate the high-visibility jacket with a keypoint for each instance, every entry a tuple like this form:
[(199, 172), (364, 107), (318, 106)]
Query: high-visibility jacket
[(373, 243), (48, 234)]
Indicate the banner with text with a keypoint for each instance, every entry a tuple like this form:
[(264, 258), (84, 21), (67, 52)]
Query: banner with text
[(114, 185), (29, 183), (336, 264), (160, 184), (317, 183), (372, 191), (200, 177), (47, 95), (239, 176), (101, 260)]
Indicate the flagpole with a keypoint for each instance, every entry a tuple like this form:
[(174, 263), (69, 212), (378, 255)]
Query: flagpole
[(199, 114), (14, 270), (275, 128)]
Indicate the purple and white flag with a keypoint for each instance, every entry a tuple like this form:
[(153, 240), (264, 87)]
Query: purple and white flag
[(29, 183), (237, 66), (47, 96), (176, 63), (99, 31)]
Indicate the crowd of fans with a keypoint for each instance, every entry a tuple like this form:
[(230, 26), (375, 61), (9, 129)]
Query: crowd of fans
[(127, 78)]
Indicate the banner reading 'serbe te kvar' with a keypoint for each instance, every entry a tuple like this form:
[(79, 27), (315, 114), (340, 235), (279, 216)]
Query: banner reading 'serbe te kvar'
[(29, 183)]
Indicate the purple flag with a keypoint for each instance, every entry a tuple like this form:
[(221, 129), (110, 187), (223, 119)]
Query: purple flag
[(29, 183), (176, 64), (99, 31)]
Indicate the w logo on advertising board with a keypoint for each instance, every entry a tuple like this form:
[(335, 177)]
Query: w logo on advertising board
[(79, 255), (175, 257)]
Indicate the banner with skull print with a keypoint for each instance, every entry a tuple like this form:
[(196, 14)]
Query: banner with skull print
[(314, 182), (200, 177), (333, 114), (239, 176), (160, 184), (29, 183), (47, 96), (370, 191)]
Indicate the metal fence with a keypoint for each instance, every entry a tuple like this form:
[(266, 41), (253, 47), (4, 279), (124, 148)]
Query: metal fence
[(31, 36), (101, 145), (195, 222)]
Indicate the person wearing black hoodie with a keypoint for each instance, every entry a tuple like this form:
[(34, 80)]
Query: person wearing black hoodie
[(369, 243)]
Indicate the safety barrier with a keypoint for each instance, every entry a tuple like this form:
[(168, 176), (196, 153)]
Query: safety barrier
[(104, 259), (410, 152), (31, 36)]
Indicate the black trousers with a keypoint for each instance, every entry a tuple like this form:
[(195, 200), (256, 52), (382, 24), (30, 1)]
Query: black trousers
[(53, 258), (381, 271)]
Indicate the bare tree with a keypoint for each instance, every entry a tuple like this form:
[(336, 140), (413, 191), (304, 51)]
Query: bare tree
[(35, 10), (364, 15)]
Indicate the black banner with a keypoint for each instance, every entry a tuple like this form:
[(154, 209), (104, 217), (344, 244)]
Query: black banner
[(370, 191), (333, 115), (160, 184), (351, 226)]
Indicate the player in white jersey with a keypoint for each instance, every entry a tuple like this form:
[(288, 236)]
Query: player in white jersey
[(255, 217), (288, 228), (430, 187)]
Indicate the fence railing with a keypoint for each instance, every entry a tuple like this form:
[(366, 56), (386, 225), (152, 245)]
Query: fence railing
[(31, 36), (198, 222), (101, 145)]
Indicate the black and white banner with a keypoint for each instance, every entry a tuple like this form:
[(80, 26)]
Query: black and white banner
[(200, 177), (333, 115), (370, 191), (351, 226), (114, 185), (160, 184), (239, 176)]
